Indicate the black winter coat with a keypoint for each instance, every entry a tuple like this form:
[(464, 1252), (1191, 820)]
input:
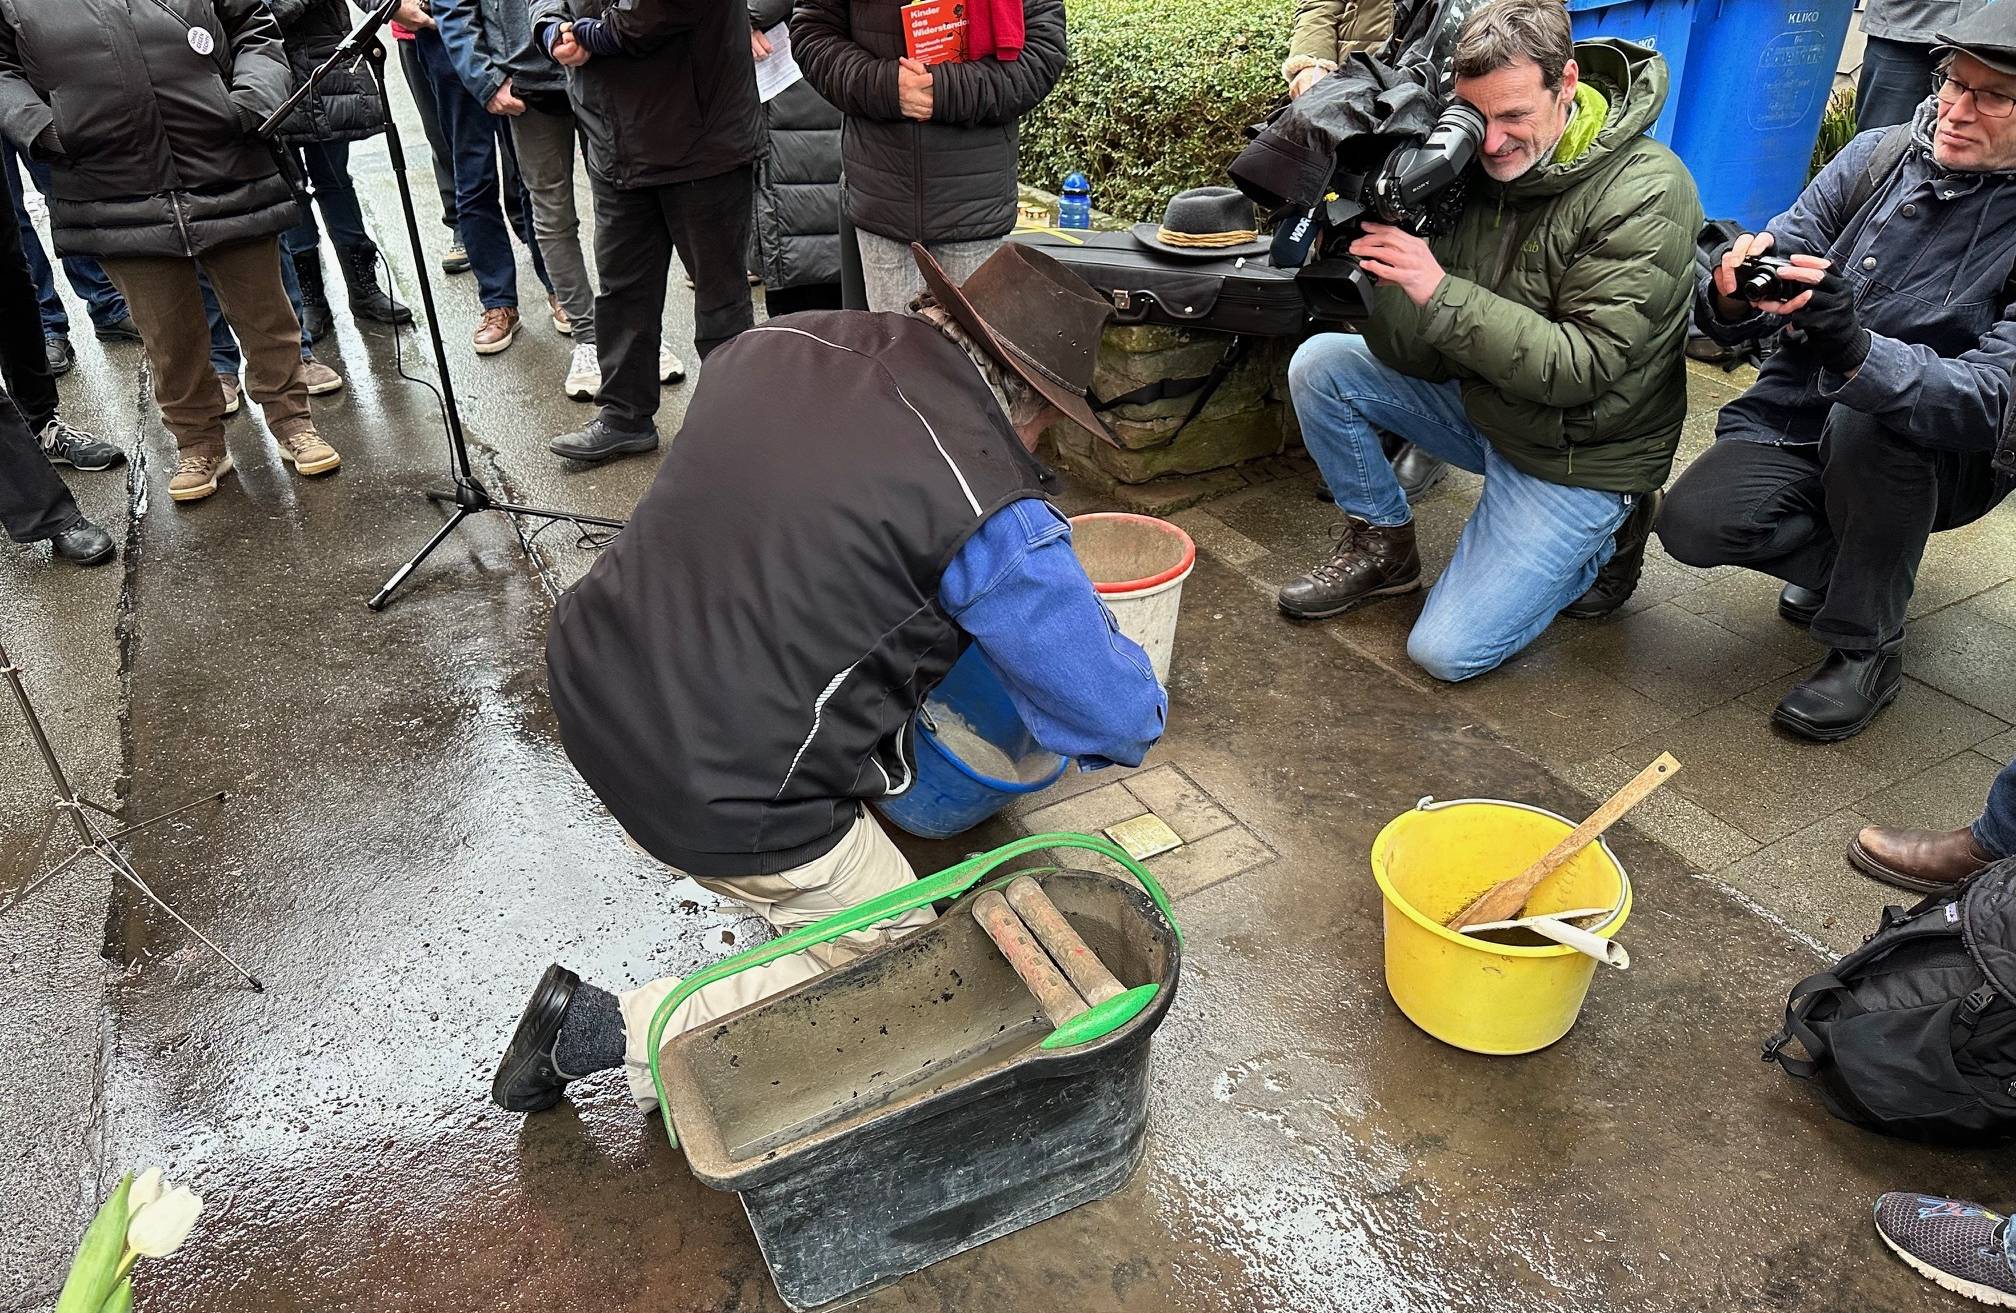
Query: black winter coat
[(154, 153), (951, 179), (797, 179), (346, 106), (679, 104)]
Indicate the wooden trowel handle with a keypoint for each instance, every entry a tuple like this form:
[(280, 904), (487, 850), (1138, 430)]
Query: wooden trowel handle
[(1503, 901)]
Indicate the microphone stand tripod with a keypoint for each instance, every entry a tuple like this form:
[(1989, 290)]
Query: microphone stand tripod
[(92, 838), (467, 493)]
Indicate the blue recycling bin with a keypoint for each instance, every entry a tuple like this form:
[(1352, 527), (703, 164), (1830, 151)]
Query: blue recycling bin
[(1750, 81)]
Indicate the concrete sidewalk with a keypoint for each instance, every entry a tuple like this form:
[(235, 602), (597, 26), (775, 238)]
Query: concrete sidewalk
[(406, 847)]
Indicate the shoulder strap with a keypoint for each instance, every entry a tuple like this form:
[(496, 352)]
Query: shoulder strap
[(1883, 161)]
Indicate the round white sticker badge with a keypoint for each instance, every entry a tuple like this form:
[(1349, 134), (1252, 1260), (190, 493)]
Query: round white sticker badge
[(201, 41)]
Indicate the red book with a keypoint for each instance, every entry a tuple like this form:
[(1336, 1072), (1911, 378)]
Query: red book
[(935, 31)]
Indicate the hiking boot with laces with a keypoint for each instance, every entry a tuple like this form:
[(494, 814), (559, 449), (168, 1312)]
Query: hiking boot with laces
[(65, 444), (1959, 1246), (1618, 578), (307, 453), (196, 476), (1370, 561), (496, 330)]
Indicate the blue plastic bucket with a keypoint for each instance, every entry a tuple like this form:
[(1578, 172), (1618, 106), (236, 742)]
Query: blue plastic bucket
[(949, 795)]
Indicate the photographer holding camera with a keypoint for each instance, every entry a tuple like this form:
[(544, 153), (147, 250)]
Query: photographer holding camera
[(1876, 424), (1538, 344)]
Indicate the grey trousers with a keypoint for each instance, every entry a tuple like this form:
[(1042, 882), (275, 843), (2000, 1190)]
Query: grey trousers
[(890, 272), (545, 145)]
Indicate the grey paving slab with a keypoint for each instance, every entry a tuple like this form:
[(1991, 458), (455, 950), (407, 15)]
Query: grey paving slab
[(1963, 562), (1740, 769), (1560, 709), (1213, 535), (1921, 727), (1702, 839), (1217, 857), (1676, 658), (1746, 603), (1180, 802), (1805, 879), (1963, 653), (1085, 813), (2000, 748), (1944, 796)]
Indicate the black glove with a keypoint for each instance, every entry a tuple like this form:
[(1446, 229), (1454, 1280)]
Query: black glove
[(1828, 325)]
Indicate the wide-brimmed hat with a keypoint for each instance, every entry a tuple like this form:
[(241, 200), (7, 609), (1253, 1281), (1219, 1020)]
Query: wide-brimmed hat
[(1034, 316), (1988, 34), (1206, 223)]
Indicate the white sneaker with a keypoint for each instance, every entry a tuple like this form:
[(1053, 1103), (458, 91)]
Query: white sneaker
[(584, 373), (670, 368)]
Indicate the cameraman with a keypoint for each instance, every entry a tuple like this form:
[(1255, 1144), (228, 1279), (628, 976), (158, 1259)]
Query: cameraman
[(1877, 423), (1539, 345)]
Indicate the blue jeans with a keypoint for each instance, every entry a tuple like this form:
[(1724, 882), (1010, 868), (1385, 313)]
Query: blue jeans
[(480, 140), (327, 164), (225, 357), (1531, 546), (1996, 830), (86, 278)]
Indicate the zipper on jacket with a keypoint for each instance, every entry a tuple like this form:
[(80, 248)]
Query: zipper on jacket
[(181, 223)]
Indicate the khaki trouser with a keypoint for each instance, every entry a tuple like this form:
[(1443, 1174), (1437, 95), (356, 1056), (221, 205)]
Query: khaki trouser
[(864, 865), (167, 305)]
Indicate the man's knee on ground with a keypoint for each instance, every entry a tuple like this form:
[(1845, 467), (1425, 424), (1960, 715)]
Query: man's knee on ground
[(1337, 363), (1450, 658)]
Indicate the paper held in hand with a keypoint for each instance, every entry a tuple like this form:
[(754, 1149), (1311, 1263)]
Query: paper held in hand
[(934, 31), (777, 71)]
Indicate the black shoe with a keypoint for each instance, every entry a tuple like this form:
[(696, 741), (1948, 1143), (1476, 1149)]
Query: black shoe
[(367, 299), (83, 543), (61, 355), (121, 330), (67, 445), (600, 440), (1844, 695), (1323, 492), (1369, 561), (528, 1079), (1800, 605), (1417, 471), (1618, 578), (316, 320)]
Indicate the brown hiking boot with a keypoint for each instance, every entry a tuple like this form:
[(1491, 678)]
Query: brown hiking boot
[(496, 330), (197, 473), (307, 453), (1370, 561), (1923, 861), (321, 379)]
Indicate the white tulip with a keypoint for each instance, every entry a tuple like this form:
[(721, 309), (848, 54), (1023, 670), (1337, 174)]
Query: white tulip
[(159, 1229), (145, 1190)]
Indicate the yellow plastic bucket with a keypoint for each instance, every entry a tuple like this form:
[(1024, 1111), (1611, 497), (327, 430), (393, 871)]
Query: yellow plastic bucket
[(1469, 992)]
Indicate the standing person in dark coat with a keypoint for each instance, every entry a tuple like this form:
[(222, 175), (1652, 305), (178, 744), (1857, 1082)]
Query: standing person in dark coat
[(666, 94), (346, 107), (146, 115), (797, 187), (1879, 423), (929, 151)]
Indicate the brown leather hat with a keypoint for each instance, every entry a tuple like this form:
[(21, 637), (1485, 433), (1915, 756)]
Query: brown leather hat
[(1034, 316)]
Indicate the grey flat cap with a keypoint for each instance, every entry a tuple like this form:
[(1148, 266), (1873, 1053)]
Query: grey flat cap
[(1988, 34)]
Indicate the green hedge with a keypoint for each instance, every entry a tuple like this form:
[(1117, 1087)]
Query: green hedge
[(1157, 97)]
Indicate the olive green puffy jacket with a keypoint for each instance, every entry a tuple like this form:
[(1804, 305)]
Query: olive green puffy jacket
[(1564, 312)]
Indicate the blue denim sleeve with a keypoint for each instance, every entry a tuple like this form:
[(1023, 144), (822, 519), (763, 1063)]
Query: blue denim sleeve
[(1084, 689), (460, 24)]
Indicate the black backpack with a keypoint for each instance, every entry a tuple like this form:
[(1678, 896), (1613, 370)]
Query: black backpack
[(1914, 1033)]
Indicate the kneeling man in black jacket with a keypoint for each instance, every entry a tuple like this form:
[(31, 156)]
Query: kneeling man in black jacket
[(850, 503)]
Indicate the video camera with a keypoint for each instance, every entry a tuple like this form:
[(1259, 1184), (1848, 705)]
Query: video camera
[(1418, 186)]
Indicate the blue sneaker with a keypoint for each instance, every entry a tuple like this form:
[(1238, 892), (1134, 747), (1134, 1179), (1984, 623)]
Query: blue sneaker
[(1958, 1245)]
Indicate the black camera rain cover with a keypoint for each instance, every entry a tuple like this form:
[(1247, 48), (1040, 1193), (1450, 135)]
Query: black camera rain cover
[(1349, 120)]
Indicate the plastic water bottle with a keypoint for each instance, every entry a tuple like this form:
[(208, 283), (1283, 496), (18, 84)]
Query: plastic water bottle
[(1074, 208)]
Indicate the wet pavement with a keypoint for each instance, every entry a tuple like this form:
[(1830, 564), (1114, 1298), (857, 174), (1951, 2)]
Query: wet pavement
[(405, 848)]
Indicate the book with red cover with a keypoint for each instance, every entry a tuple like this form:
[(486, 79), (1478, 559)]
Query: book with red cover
[(934, 31)]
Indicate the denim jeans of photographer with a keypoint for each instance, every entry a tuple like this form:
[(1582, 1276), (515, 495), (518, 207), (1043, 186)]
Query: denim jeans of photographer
[(1530, 548)]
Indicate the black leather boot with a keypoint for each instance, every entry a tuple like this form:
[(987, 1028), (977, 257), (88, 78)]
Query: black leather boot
[(1844, 694), (367, 299), (1800, 605), (1418, 471), (315, 318), (1369, 562), (1618, 578), (82, 543)]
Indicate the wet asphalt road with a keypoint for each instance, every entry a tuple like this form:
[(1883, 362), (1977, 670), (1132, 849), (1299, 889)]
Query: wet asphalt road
[(405, 848)]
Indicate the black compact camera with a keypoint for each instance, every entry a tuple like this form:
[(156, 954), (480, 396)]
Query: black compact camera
[(1757, 280), (1416, 185)]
